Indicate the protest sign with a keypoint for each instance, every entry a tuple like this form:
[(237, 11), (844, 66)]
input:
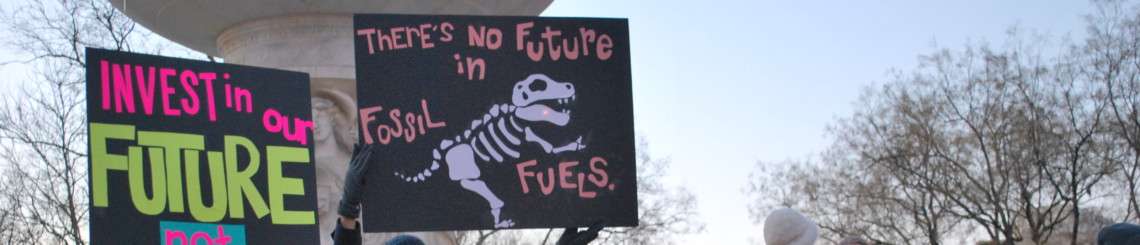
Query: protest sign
[(193, 152), (495, 122)]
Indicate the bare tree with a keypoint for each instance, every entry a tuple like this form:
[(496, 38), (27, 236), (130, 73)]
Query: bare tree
[(892, 142), (1111, 57), (490, 237), (43, 132), (1010, 140), (47, 179), (664, 212)]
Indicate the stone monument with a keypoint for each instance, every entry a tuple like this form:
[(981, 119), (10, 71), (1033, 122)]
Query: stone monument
[(312, 36)]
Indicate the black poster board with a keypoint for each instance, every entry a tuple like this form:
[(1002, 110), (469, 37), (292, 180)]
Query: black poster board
[(495, 122), (192, 152)]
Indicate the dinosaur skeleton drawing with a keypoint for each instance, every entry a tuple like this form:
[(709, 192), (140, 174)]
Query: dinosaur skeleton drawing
[(497, 136)]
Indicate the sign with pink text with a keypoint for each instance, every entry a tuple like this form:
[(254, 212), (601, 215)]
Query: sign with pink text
[(191, 152), (495, 122)]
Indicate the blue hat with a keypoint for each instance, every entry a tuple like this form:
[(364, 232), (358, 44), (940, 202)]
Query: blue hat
[(1119, 234), (404, 240)]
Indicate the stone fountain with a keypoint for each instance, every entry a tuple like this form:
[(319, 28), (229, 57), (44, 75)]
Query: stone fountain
[(312, 36)]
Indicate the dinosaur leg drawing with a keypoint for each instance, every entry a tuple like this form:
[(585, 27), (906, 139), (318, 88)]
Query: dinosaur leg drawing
[(536, 100), (461, 167), (549, 148), (477, 186)]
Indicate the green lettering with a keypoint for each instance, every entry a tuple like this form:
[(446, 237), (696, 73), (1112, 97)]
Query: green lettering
[(198, 209), (103, 161), (152, 205), (279, 185), (170, 155), (173, 144), (239, 182)]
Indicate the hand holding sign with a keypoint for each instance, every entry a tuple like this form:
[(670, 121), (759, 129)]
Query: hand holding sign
[(571, 236), (354, 181)]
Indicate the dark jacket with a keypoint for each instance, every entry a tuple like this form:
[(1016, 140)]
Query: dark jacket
[(1119, 234)]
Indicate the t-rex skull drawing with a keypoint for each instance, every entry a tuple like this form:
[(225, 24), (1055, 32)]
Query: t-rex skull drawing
[(496, 136)]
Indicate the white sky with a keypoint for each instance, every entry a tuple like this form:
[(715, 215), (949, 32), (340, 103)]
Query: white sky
[(720, 85)]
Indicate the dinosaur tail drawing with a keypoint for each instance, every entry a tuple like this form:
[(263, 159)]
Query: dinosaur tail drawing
[(422, 175)]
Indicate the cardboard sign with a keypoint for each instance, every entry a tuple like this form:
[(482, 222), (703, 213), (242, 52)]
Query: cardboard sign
[(191, 152), (495, 122)]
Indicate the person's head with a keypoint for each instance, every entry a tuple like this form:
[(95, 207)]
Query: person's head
[(787, 227), (853, 240), (404, 240), (1119, 234)]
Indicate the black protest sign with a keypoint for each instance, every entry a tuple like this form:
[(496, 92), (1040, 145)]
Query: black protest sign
[(191, 152), (495, 122)]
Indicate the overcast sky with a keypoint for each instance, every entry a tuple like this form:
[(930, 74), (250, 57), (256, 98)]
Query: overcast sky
[(720, 85)]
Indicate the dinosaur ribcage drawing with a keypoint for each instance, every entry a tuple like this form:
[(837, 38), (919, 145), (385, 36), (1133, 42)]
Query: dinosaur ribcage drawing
[(495, 138)]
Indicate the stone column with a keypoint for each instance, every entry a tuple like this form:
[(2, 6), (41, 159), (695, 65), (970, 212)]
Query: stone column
[(321, 45), (291, 35)]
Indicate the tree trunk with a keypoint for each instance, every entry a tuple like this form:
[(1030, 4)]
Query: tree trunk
[(1076, 220)]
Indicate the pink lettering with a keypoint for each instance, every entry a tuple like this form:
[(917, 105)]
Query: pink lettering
[(229, 96), (548, 185), (106, 84), (271, 120), (394, 114), (564, 172), (521, 31), (410, 135), (533, 51), (124, 97), (146, 89), (171, 235), (445, 29), (300, 131), (605, 47), (200, 236), (550, 44), (180, 237), (402, 124), (491, 39), (118, 83), (582, 192), (365, 118), (385, 41), (599, 178), (164, 75), (588, 36), (190, 104), (166, 91), (243, 97), (427, 116), (397, 44), (274, 122), (211, 108), (425, 37), (367, 33), (567, 177), (222, 238), (521, 169), (550, 35)]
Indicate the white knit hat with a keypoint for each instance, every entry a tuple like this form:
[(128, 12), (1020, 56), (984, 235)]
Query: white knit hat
[(785, 226)]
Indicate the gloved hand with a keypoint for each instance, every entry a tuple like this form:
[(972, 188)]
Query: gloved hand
[(354, 181), (572, 237)]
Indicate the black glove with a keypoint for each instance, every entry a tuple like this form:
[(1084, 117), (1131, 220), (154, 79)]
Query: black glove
[(572, 237), (343, 236), (354, 181)]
